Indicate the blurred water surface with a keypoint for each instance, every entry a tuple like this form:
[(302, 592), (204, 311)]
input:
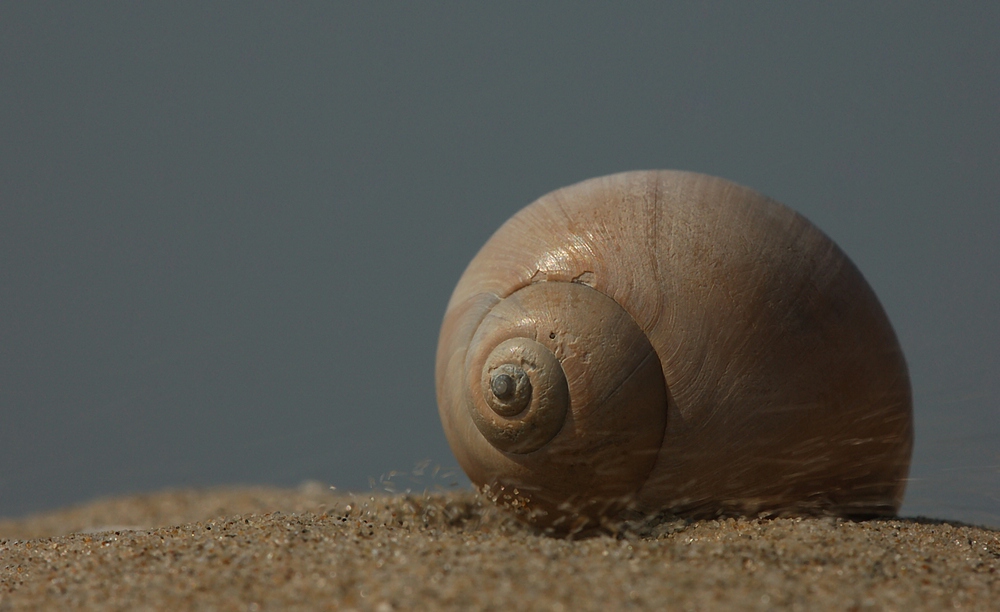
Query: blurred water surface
[(228, 231)]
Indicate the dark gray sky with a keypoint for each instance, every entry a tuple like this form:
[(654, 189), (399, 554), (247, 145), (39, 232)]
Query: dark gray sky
[(228, 231)]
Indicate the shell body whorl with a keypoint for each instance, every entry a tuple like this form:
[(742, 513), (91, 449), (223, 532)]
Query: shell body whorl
[(681, 343)]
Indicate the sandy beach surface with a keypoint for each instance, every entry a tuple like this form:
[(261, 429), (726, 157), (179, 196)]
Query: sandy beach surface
[(312, 549)]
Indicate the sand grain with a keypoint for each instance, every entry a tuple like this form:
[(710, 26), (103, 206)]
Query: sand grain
[(307, 549)]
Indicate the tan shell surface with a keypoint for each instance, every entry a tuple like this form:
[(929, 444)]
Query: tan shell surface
[(787, 387), (603, 447)]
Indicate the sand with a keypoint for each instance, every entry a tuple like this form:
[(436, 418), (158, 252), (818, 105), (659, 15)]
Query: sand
[(310, 549)]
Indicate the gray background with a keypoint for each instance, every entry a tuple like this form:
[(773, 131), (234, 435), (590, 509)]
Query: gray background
[(228, 231)]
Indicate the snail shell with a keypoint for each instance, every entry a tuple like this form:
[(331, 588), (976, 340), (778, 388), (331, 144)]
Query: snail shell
[(669, 341)]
